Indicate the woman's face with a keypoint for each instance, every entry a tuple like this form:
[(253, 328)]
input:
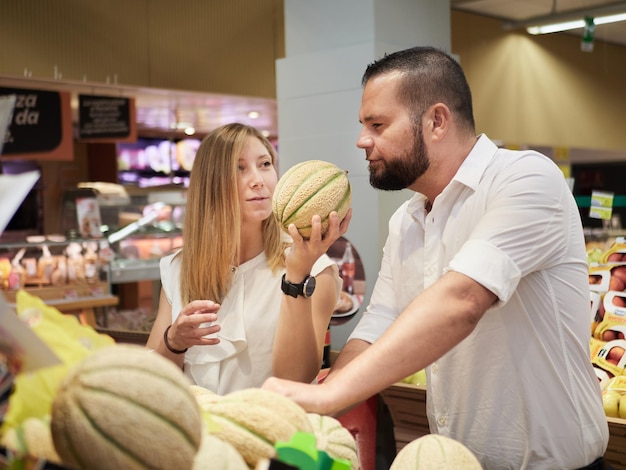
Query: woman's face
[(256, 181)]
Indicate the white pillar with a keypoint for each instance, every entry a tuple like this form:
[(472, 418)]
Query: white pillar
[(328, 45)]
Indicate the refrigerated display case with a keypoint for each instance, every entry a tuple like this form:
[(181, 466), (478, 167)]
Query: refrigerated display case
[(140, 233)]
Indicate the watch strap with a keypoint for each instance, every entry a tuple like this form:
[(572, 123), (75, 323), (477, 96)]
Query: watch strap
[(294, 290)]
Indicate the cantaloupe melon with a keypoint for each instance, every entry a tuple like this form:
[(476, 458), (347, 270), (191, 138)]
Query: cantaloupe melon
[(126, 407), (309, 188), (253, 420), (273, 401), (204, 395), (435, 452), (334, 439), (217, 454)]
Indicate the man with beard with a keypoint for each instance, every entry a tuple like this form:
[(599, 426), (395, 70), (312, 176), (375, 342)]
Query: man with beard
[(483, 281)]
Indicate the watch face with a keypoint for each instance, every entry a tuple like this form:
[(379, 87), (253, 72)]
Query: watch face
[(309, 286)]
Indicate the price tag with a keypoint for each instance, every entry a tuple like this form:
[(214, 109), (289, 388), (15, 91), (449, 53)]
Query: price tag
[(601, 205)]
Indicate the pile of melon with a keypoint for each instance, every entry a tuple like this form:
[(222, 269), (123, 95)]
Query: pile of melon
[(126, 407)]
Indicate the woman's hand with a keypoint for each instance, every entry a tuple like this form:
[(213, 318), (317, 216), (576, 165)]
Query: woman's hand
[(193, 324)]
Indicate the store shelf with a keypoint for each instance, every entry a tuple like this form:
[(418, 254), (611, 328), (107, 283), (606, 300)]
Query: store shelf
[(81, 300), (81, 303), (125, 336), (122, 271)]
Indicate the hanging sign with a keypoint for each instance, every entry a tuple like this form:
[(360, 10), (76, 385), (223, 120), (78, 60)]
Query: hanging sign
[(41, 126), (106, 118)]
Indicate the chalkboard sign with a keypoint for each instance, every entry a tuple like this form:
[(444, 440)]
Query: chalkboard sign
[(103, 117), (36, 126)]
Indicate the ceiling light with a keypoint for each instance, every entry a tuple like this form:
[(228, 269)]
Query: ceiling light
[(555, 27), (610, 19), (574, 24), (253, 114), (572, 19), (190, 130)]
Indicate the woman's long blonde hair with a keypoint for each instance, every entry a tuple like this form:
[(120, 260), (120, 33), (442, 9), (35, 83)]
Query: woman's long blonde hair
[(212, 226)]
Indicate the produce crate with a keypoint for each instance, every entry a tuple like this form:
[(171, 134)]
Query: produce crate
[(616, 452), (407, 406)]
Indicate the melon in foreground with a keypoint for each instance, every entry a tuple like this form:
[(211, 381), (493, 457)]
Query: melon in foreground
[(313, 187), (334, 439), (435, 452), (204, 395), (253, 420), (126, 407)]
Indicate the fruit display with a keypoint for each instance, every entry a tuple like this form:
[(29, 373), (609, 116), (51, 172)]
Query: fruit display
[(126, 407), (616, 253), (309, 188), (614, 397), (254, 420), (114, 405), (435, 452), (608, 358), (607, 287)]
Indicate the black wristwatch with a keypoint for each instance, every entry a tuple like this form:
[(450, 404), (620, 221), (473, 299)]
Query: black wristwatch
[(305, 288)]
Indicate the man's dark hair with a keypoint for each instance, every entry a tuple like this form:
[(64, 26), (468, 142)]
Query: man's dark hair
[(429, 76)]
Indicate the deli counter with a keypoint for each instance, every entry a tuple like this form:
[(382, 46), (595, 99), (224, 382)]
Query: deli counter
[(104, 268)]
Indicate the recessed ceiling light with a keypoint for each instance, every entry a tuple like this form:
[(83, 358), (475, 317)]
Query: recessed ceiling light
[(265, 133), (190, 130), (253, 114)]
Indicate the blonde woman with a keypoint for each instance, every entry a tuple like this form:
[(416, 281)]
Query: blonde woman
[(241, 301)]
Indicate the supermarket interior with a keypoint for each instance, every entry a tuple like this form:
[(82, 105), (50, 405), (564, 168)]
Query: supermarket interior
[(104, 106)]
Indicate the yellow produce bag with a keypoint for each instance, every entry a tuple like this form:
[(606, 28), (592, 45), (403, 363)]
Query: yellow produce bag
[(68, 339)]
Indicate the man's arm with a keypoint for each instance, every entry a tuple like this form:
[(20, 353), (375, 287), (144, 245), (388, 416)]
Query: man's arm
[(432, 324), (352, 349), (436, 321)]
